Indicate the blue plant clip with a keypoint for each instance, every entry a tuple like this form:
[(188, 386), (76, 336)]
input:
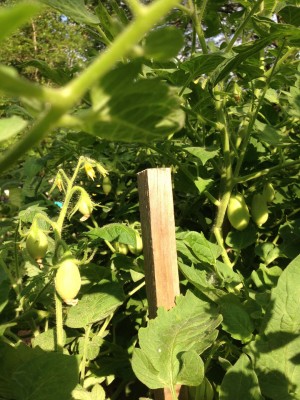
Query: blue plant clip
[(59, 204)]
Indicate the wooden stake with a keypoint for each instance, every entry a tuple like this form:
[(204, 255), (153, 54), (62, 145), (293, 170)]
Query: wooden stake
[(158, 230)]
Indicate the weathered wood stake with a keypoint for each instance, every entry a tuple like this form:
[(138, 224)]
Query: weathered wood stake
[(158, 230)]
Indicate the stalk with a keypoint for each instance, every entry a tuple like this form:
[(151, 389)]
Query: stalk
[(197, 19), (242, 26), (59, 324), (69, 193), (267, 171), (84, 355), (254, 115), (118, 49), (59, 101), (226, 179), (173, 392)]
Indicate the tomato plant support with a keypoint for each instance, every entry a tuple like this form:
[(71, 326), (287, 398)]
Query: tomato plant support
[(158, 230)]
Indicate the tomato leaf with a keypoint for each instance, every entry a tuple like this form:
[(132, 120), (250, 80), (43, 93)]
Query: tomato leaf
[(202, 248), (34, 374), (114, 232), (240, 382), (171, 343), (129, 109), (275, 353), (95, 305), (236, 320), (202, 153), (163, 43), (9, 127), (75, 9)]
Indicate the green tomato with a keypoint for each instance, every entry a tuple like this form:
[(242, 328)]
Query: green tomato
[(37, 243), (268, 192), (238, 212), (106, 185), (259, 209), (85, 205), (68, 280), (137, 249), (121, 248)]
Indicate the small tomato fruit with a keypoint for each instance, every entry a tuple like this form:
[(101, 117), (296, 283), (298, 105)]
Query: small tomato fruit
[(238, 212), (137, 249), (37, 243), (106, 185), (85, 205), (121, 248), (68, 280), (259, 209), (268, 192)]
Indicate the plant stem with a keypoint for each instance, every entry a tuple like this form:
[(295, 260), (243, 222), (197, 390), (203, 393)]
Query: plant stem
[(242, 26), (105, 325), (45, 123), (290, 52), (197, 20), (136, 7), (13, 281), (226, 178), (173, 392), (131, 35), (254, 115), (59, 324), (136, 289), (267, 171), (84, 354), (105, 39), (69, 193), (59, 101)]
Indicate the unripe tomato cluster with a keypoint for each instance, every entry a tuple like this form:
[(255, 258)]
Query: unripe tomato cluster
[(123, 248), (238, 212)]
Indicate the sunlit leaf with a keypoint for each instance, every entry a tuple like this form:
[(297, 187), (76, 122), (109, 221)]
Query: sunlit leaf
[(163, 43), (133, 110), (171, 343), (75, 9), (114, 232), (9, 127), (95, 305)]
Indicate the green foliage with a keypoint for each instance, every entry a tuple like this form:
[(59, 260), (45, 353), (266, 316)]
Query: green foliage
[(11, 19), (121, 108), (171, 344), (280, 336), (29, 373), (240, 381)]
